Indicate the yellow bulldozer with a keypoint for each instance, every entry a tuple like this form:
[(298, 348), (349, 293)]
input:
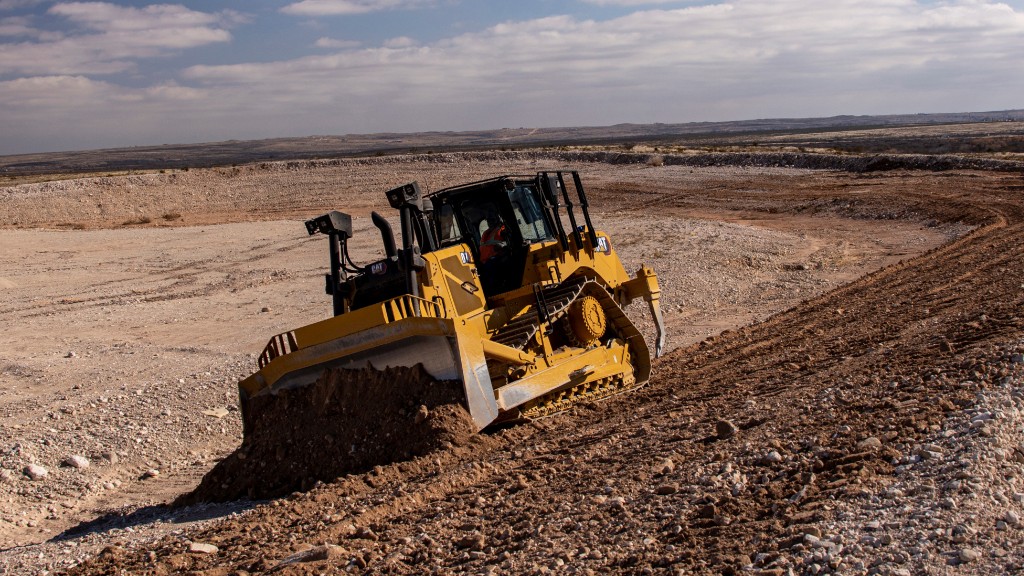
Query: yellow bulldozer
[(498, 284)]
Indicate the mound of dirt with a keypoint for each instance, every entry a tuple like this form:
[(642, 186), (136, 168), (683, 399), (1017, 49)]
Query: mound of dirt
[(347, 422)]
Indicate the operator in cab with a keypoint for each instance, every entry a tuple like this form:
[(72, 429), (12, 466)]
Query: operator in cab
[(494, 238)]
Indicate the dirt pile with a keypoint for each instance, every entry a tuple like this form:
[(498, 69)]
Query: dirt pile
[(347, 422)]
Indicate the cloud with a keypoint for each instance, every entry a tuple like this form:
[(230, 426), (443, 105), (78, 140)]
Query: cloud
[(21, 27), (400, 42), (346, 7), (14, 4), (637, 2), (336, 43), (108, 38), (74, 112), (741, 59)]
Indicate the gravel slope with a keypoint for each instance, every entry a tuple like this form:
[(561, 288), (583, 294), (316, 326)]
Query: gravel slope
[(833, 412)]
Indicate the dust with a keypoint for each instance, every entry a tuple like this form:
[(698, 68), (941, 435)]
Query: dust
[(348, 422)]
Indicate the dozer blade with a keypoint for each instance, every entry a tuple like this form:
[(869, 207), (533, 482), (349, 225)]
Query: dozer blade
[(331, 400), (445, 351)]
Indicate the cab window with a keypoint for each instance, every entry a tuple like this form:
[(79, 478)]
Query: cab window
[(529, 214)]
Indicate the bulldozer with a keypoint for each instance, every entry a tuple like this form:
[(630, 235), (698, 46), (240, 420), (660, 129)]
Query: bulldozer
[(503, 285)]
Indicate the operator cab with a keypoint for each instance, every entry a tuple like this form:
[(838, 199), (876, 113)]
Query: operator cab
[(499, 219)]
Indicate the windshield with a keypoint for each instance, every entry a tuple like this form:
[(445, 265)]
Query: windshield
[(448, 227), (529, 214)]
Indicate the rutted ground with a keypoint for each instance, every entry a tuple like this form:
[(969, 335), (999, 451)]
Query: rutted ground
[(636, 483)]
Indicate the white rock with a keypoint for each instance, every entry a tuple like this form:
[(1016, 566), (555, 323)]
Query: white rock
[(812, 541), (35, 472), (1012, 518), (76, 461), (216, 412), (201, 548), (871, 443), (969, 555), (772, 457)]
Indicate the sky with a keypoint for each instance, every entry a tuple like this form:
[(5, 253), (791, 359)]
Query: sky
[(88, 75)]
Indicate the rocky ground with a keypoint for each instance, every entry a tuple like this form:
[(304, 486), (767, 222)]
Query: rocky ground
[(860, 413)]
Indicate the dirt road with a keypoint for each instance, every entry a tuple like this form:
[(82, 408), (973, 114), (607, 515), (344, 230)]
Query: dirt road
[(869, 426)]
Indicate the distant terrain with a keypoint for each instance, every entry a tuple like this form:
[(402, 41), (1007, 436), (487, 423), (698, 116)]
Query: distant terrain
[(963, 133)]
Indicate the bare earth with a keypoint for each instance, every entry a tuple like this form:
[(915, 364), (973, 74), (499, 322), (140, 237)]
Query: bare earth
[(860, 331)]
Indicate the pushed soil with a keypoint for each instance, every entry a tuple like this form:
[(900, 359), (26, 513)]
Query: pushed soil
[(348, 421)]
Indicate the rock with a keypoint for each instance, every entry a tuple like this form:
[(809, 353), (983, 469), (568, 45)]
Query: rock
[(666, 466), (961, 533), (151, 473), (422, 413), (265, 309), (867, 444), (201, 548), (35, 472), (472, 541), (1017, 358), (216, 412), (71, 354), (110, 457), (6, 476), (968, 555), (707, 512), (725, 429), (521, 484), (76, 461), (1012, 518), (666, 489), (314, 554), (770, 458), (366, 533)]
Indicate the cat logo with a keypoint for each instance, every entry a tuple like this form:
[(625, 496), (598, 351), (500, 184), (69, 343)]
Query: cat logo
[(465, 257), (379, 268), (603, 245)]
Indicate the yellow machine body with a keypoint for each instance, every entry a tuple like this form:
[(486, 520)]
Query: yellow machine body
[(556, 337)]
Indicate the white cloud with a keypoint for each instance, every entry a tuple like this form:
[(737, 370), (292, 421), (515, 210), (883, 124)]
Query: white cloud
[(21, 27), (400, 42), (742, 59), (109, 38), (346, 7), (337, 43)]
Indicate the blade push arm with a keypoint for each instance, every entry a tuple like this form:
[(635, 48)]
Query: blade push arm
[(645, 285)]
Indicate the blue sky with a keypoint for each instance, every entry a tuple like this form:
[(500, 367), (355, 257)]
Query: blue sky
[(83, 75)]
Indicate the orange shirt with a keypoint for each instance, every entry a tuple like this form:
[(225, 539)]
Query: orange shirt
[(489, 242)]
